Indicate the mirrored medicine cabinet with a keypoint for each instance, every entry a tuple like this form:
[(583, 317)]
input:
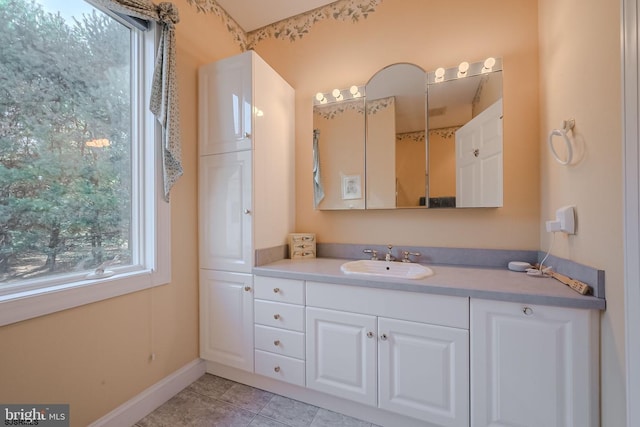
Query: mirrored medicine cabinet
[(411, 139)]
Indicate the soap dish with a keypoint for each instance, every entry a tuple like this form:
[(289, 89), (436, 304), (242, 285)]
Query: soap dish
[(519, 266)]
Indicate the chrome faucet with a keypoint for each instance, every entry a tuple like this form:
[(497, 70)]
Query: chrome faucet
[(407, 254), (373, 252), (388, 256)]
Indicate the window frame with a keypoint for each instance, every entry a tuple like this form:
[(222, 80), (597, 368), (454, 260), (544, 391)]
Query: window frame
[(63, 292)]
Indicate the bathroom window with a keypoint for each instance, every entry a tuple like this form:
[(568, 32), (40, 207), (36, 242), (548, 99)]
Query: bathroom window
[(79, 207)]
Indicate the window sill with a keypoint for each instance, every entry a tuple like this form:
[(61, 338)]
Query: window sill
[(34, 303)]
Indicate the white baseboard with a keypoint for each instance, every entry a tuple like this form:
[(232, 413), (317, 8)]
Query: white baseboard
[(146, 402)]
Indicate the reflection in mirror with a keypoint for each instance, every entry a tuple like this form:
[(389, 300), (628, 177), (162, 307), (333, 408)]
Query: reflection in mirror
[(338, 153), (396, 146), (465, 136)]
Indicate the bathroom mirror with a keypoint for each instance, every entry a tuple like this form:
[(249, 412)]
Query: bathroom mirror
[(410, 139), (465, 135), (338, 154), (395, 139)]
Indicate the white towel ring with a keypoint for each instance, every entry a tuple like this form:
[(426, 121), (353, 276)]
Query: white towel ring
[(567, 125)]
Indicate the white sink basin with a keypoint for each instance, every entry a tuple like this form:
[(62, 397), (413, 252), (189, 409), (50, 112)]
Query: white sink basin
[(400, 270)]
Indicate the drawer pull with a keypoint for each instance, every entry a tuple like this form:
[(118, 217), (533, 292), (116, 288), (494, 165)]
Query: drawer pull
[(276, 316), (276, 343), (528, 311), (247, 288), (369, 334), (276, 290), (383, 337), (277, 369)]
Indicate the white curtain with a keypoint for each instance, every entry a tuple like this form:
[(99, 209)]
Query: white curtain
[(164, 91)]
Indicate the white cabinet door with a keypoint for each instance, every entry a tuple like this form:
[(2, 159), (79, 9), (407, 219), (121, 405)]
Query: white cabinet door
[(226, 318), (533, 366), (225, 212), (225, 104), (424, 371), (341, 354)]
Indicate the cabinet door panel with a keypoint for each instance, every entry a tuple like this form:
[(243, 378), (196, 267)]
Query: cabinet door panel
[(226, 318), (225, 100), (532, 366), (225, 212), (424, 371), (341, 354)]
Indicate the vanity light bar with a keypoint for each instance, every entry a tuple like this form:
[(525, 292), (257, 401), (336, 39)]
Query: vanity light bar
[(465, 69), (338, 95)]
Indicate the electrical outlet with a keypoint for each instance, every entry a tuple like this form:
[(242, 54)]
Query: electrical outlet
[(565, 221)]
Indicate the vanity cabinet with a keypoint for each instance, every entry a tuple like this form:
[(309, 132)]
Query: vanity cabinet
[(245, 193), (394, 350), (533, 365), (279, 329), (226, 318)]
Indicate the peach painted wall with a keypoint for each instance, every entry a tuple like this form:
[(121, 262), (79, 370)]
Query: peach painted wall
[(96, 357), (580, 79), (339, 54)]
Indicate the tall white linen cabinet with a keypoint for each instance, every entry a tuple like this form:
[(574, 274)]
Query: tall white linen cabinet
[(246, 194)]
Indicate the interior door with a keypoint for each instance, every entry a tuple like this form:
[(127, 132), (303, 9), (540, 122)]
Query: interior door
[(479, 171)]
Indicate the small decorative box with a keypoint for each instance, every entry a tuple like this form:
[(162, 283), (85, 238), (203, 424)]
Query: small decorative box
[(302, 245)]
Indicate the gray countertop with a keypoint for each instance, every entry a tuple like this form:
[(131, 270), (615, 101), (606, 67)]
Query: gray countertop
[(473, 282)]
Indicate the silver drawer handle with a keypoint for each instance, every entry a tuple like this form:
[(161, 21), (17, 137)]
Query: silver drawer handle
[(276, 290), (246, 211), (528, 311), (276, 316), (276, 343), (277, 369)]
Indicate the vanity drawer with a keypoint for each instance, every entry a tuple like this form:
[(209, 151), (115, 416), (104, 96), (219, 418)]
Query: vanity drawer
[(279, 367), (441, 310), (281, 290), (279, 315), (280, 341)]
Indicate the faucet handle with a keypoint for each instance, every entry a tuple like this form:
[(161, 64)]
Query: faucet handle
[(373, 252), (407, 254)]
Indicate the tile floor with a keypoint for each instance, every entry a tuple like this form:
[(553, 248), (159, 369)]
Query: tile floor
[(218, 402)]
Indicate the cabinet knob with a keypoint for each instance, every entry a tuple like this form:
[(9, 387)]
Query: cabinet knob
[(528, 311), (369, 334), (277, 369), (276, 343), (383, 337), (247, 135), (246, 211), (276, 316), (276, 290), (247, 288), (476, 152)]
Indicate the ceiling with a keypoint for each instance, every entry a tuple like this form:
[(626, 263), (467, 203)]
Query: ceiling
[(254, 14)]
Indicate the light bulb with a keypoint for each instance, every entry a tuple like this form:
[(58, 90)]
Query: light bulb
[(337, 94), (463, 68), (489, 63), (440, 74), (319, 96), (354, 91)]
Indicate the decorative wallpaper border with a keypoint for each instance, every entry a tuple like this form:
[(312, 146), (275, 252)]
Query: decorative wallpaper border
[(417, 136), (446, 133), (333, 110), (293, 28), (376, 105)]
